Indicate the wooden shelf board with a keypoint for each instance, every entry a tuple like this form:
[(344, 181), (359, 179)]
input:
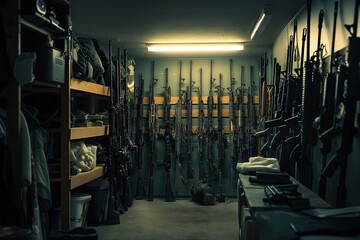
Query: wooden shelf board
[(84, 177), (87, 132), (40, 20), (195, 113), (89, 87), (159, 100)]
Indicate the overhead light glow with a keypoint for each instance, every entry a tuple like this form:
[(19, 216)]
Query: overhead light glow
[(262, 21), (194, 47), (262, 17)]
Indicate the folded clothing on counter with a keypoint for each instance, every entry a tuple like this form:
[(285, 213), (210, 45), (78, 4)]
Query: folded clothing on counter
[(259, 163)]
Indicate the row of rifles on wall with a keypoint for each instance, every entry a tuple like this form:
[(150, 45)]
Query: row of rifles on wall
[(304, 106), (178, 134), (118, 163), (176, 130), (312, 105)]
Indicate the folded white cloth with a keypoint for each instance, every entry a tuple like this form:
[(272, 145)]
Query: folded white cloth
[(83, 156), (259, 163)]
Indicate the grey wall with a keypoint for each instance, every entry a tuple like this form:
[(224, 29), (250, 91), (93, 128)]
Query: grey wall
[(345, 16), (220, 65)]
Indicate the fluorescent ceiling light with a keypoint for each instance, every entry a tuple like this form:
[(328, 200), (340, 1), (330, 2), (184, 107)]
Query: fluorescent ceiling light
[(262, 21), (191, 47)]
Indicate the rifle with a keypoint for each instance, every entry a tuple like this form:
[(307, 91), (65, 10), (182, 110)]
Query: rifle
[(179, 135), (337, 122), (263, 86), (121, 166), (264, 105), (274, 111), (140, 189), (287, 124), (289, 136), (300, 76), (284, 95), (126, 144), (189, 133), (327, 109), (291, 145), (241, 127), (251, 122), (275, 89), (351, 86), (200, 132), (220, 139), (309, 106), (210, 130), (338, 101), (271, 91), (278, 92), (111, 164), (301, 154), (317, 78), (233, 132), (169, 195), (152, 133)]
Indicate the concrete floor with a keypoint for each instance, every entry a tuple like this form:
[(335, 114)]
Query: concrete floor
[(182, 219)]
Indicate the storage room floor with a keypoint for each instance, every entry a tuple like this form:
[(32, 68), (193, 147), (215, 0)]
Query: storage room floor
[(183, 219)]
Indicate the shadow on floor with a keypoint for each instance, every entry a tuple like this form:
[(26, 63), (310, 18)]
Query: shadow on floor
[(182, 219)]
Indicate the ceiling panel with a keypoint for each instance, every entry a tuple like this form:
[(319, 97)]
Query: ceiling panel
[(133, 24)]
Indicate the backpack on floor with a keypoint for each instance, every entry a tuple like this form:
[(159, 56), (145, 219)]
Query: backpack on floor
[(203, 193)]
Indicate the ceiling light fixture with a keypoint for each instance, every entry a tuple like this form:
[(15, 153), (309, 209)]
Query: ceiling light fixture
[(193, 47), (262, 21)]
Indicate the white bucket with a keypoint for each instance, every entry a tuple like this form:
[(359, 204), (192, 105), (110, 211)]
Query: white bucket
[(79, 207)]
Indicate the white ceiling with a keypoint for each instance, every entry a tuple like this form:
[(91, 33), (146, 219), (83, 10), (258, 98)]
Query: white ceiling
[(133, 24)]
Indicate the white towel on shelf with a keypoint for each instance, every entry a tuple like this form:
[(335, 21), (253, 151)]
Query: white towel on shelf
[(259, 163), (83, 156)]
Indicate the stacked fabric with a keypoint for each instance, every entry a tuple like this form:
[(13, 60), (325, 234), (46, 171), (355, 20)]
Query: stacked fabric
[(259, 163), (82, 156)]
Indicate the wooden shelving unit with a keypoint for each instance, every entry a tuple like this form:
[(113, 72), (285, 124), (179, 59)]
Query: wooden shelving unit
[(15, 20), (88, 132), (26, 28), (84, 177), (39, 20), (68, 182), (89, 87), (75, 87)]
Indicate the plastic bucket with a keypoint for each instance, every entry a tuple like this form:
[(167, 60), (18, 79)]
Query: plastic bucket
[(79, 207)]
